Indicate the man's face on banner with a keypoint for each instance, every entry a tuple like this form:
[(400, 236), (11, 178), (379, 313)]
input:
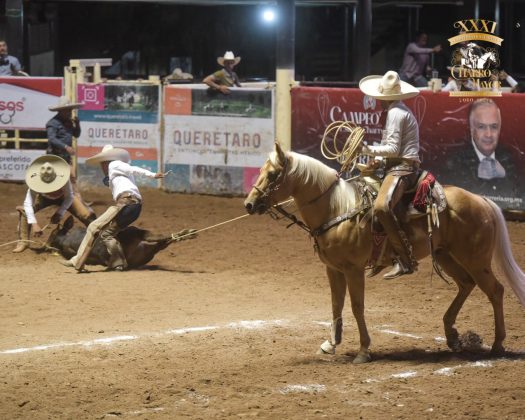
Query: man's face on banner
[(485, 126)]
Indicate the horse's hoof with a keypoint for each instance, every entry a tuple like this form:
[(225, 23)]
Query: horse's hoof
[(326, 348), (362, 357), (497, 351), (454, 345)]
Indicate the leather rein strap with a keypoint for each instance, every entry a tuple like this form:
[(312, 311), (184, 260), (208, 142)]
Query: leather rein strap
[(325, 227)]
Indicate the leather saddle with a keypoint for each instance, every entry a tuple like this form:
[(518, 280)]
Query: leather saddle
[(427, 194)]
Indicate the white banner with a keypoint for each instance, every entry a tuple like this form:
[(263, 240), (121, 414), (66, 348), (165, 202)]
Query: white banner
[(98, 134), (210, 140), (26, 107), (13, 163)]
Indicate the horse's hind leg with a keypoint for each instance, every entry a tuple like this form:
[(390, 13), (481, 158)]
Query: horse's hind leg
[(486, 280), (338, 290), (465, 286), (155, 237)]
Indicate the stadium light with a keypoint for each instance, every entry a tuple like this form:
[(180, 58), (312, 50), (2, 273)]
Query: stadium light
[(268, 15)]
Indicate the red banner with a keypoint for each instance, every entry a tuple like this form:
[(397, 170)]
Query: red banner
[(447, 144)]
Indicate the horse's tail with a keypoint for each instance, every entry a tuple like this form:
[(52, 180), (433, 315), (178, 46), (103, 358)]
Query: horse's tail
[(504, 258)]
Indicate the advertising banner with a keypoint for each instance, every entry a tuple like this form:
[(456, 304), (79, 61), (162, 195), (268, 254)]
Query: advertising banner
[(24, 101), (14, 162), (213, 142), (449, 128), (124, 115)]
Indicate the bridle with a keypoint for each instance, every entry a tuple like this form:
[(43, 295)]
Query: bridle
[(273, 209), (273, 185)]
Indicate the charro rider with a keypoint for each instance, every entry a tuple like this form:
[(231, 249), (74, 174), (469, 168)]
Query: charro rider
[(48, 179), (114, 162), (399, 149)]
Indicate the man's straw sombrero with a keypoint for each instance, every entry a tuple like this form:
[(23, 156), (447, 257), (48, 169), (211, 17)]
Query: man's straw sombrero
[(47, 174), (228, 56), (108, 154), (388, 87), (65, 103)]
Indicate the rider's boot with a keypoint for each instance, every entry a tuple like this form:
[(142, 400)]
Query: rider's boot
[(24, 230)]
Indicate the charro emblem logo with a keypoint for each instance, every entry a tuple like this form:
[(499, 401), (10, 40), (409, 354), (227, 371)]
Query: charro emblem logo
[(475, 61)]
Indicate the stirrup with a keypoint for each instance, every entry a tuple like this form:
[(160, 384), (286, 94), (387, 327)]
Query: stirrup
[(399, 270), (375, 270)]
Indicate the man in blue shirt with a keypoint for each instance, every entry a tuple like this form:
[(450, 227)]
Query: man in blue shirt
[(62, 128), (9, 65)]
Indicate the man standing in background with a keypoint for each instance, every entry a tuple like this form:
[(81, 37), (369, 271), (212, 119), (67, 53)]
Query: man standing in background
[(415, 61), (9, 65)]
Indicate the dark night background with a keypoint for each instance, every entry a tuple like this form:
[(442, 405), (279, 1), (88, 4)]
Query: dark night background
[(76, 29)]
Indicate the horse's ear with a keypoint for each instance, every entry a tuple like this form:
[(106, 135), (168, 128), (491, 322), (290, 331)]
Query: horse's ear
[(280, 152)]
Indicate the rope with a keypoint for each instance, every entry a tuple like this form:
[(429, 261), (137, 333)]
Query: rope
[(173, 235), (22, 240), (347, 155), (26, 240), (225, 222)]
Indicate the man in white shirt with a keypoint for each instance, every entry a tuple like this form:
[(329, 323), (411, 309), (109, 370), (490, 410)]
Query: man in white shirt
[(48, 179), (114, 162), (399, 151)]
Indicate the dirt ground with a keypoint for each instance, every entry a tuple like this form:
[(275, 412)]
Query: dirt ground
[(227, 325)]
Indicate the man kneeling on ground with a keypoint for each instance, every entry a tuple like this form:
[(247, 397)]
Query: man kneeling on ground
[(128, 205)]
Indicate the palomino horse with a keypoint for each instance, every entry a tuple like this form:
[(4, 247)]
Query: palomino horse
[(471, 232)]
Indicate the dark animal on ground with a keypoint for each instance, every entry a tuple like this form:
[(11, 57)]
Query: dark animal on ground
[(139, 245)]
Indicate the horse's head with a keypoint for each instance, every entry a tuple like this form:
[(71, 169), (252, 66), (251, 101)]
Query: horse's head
[(270, 187)]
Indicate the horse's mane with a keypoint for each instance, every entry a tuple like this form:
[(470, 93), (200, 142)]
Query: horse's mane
[(310, 171)]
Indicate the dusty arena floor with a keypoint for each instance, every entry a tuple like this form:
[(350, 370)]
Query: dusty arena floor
[(228, 325)]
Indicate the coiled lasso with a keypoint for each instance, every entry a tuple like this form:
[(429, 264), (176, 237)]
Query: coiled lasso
[(348, 134)]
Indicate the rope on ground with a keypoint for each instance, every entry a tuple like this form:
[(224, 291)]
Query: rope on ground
[(347, 154), (26, 240)]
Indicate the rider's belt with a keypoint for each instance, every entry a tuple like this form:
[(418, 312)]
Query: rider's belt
[(128, 197), (401, 164)]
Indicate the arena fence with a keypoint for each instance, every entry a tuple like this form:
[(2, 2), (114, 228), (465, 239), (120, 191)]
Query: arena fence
[(214, 143)]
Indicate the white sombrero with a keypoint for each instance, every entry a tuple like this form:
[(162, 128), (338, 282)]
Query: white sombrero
[(47, 174), (388, 87), (65, 103), (108, 154), (228, 56)]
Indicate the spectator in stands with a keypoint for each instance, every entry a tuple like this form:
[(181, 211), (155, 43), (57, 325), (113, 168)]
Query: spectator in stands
[(225, 78), (519, 88), (415, 61), (483, 166), (48, 179), (9, 65), (504, 76)]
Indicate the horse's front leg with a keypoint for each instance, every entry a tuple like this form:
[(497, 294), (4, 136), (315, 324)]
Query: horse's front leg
[(338, 289), (355, 278)]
